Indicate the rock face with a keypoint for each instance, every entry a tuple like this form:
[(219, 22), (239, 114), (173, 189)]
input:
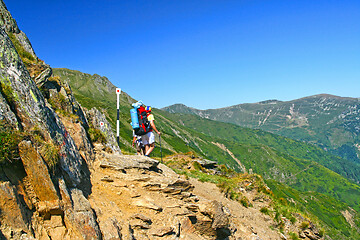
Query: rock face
[(6, 114), (9, 25), (99, 121), (32, 112)]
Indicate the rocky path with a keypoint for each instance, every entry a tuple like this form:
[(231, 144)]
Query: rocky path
[(138, 198)]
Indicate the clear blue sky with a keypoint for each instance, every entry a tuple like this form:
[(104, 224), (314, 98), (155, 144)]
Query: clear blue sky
[(203, 53)]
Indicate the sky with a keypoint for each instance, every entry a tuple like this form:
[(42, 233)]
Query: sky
[(202, 53)]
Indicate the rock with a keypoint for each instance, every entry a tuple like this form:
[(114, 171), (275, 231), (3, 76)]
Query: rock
[(192, 207), (142, 218), (311, 235), (96, 117), (147, 204), (178, 187), (215, 210), (7, 115), (139, 225), (38, 174), (110, 229), (302, 235), (162, 231), (78, 133), (43, 77), (81, 216), (55, 227), (12, 212), (121, 163), (107, 179), (207, 163), (31, 110), (7, 20)]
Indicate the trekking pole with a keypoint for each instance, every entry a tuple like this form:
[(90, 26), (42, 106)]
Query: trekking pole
[(160, 148)]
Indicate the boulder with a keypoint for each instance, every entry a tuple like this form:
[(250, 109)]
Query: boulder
[(122, 163), (96, 118)]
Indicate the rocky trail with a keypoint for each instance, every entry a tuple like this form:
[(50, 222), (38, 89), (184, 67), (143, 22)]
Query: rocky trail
[(135, 197)]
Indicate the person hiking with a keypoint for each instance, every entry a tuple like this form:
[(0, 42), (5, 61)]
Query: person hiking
[(149, 138), (140, 148)]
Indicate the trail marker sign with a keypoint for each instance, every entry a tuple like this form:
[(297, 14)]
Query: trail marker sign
[(118, 92)]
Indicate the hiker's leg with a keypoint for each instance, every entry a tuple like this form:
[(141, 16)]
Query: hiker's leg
[(150, 149), (151, 145)]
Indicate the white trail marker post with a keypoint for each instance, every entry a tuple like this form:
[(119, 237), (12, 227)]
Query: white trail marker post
[(118, 92)]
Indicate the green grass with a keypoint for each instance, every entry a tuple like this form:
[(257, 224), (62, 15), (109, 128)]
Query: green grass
[(24, 55), (9, 140)]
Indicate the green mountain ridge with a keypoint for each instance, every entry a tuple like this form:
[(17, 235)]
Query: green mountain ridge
[(328, 121), (295, 169)]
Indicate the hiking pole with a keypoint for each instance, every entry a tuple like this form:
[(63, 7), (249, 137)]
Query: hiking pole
[(160, 148)]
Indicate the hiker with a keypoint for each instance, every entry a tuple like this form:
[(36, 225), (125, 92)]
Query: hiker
[(140, 148), (149, 138)]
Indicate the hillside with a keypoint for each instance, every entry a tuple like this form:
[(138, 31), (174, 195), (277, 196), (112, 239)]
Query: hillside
[(331, 122), (293, 163)]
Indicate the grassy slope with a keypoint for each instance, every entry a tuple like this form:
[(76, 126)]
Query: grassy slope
[(267, 154), (330, 122), (247, 136)]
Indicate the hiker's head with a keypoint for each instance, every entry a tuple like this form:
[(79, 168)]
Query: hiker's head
[(148, 109)]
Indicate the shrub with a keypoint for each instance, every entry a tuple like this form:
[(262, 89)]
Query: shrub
[(51, 154), (304, 225), (197, 166), (9, 140), (292, 219), (245, 202), (294, 236), (265, 210), (96, 136)]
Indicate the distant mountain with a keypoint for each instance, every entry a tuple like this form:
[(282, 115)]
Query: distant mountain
[(328, 121)]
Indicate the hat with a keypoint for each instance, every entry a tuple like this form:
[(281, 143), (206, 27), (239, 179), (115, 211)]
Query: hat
[(148, 109)]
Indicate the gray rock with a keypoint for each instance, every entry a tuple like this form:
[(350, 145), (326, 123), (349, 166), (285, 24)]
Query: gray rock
[(121, 163), (96, 117), (7, 20), (31, 111), (6, 114), (43, 77), (207, 163)]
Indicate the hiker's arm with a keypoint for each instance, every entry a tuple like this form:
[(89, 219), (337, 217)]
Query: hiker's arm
[(153, 127), (134, 139)]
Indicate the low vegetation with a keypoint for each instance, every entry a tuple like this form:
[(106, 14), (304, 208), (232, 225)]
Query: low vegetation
[(10, 139), (237, 185)]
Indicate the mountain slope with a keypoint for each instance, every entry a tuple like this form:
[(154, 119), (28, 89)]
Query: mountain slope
[(277, 158), (328, 121), (234, 133)]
